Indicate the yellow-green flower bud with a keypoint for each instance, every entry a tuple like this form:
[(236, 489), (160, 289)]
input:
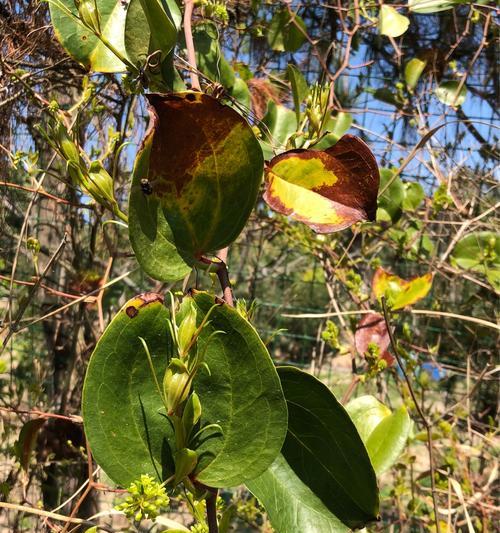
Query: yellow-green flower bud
[(87, 9), (191, 414), (175, 388), (67, 147), (185, 461), (187, 328), (99, 184)]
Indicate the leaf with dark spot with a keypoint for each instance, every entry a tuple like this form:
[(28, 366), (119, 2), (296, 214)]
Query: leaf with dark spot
[(327, 190)]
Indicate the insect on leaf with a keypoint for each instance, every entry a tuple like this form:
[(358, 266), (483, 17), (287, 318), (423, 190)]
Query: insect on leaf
[(328, 190)]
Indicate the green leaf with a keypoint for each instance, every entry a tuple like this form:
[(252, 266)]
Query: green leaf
[(400, 292), (209, 58), (280, 123), (81, 43), (366, 412), (336, 126), (392, 23), (124, 416), (391, 202), (388, 440), (479, 251), (324, 451), (384, 433), (299, 86), (241, 93), (286, 34), (327, 190), (448, 93), (432, 6), (204, 167), (385, 95), (413, 196), (291, 505), (413, 70), (243, 395)]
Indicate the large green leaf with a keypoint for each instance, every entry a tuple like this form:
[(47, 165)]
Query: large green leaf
[(384, 432), (82, 44), (392, 23), (290, 504), (328, 190), (325, 461), (244, 395), (124, 415), (203, 168)]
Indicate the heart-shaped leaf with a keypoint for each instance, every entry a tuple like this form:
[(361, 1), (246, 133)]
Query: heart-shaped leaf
[(324, 460), (372, 329), (327, 190), (124, 416), (392, 23), (384, 432), (400, 292), (196, 180), (82, 44)]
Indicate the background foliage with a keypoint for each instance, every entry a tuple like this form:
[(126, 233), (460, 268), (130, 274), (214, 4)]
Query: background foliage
[(438, 215)]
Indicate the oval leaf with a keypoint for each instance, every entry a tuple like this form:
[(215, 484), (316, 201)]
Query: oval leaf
[(392, 23), (82, 44), (324, 451), (124, 416), (327, 190), (372, 329), (286, 34), (448, 93), (431, 6), (366, 412), (203, 166), (400, 292), (413, 70)]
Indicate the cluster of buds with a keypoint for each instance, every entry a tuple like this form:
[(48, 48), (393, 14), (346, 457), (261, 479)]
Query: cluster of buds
[(92, 178)]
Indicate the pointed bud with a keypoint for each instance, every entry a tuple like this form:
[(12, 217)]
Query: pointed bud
[(187, 328), (67, 147), (99, 184), (175, 388), (185, 462), (191, 414), (87, 9)]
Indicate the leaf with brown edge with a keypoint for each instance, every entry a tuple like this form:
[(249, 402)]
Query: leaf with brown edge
[(203, 167), (400, 292), (328, 190), (373, 329)]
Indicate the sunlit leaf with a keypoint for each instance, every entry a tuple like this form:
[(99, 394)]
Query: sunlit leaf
[(390, 203), (432, 6), (280, 122), (384, 432), (413, 196), (399, 292), (335, 487), (327, 190), (203, 168), (124, 416), (336, 127), (286, 34), (448, 93), (82, 44), (373, 329), (413, 70), (392, 23)]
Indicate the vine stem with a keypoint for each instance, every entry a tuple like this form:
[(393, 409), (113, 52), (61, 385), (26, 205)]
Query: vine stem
[(423, 418), (188, 35)]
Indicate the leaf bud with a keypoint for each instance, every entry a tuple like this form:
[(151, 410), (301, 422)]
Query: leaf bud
[(100, 184), (187, 328), (185, 461), (67, 147), (191, 414), (175, 388)]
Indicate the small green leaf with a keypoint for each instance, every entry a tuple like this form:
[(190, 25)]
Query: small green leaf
[(448, 93), (280, 123), (388, 440), (27, 441), (413, 70), (390, 203), (432, 6), (392, 23), (299, 88), (324, 463), (413, 196), (384, 94), (82, 44), (336, 127), (286, 34)]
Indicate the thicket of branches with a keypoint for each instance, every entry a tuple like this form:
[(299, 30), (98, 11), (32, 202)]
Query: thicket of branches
[(52, 317)]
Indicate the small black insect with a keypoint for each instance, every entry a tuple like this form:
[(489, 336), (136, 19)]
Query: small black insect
[(146, 187)]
